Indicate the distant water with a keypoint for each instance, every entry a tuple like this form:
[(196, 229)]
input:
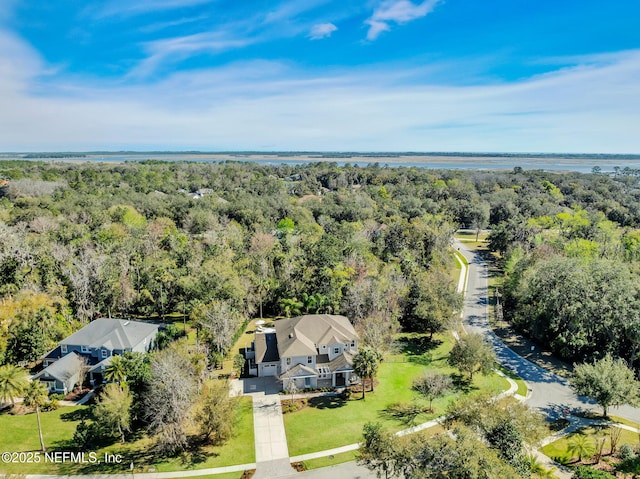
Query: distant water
[(583, 165)]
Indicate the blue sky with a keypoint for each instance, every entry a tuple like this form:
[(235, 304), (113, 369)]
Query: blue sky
[(370, 75)]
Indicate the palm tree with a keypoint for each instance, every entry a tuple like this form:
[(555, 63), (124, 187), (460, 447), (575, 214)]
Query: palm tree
[(13, 381), (365, 365), (537, 469), (36, 395), (117, 370), (291, 306), (580, 446)]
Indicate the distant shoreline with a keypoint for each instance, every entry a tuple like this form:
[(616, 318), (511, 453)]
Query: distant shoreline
[(481, 161)]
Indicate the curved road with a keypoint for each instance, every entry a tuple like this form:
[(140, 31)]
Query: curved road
[(548, 392)]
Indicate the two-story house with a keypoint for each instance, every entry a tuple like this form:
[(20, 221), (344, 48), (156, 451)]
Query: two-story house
[(90, 350), (314, 350)]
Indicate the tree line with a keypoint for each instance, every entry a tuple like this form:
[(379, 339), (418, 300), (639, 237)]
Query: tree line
[(150, 239)]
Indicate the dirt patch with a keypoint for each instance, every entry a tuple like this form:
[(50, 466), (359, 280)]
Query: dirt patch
[(299, 466), (76, 394)]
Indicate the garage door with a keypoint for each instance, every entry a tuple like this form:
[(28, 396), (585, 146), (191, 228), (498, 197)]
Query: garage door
[(268, 370)]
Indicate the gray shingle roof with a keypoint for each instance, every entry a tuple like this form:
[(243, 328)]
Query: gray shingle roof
[(344, 362), (99, 367), (63, 369), (299, 336), (266, 346), (114, 333), (299, 371)]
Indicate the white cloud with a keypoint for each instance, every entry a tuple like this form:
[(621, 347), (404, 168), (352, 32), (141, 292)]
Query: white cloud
[(322, 30), (179, 48), (128, 8), (155, 27), (591, 107), (290, 9), (396, 11)]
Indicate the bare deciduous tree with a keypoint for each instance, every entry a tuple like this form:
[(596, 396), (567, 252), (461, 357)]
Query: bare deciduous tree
[(219, 321), (169, 398)]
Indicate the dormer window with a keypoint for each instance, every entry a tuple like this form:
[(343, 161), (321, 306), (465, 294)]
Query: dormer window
[(84, 349), (105, 353), (63, 348)]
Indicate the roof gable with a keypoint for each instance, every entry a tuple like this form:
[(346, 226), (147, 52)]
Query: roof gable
[(266, 347), (300, 336), (64, 368), (114, 333)]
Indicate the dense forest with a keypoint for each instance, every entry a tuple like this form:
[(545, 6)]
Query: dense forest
[(149, 239)]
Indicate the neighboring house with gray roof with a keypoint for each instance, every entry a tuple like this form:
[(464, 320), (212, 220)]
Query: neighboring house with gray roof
[(96, 344), (314, 350), (63, 375)]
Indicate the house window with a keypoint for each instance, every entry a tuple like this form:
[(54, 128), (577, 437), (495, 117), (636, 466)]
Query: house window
[(309, 360), (104, 353), (353, 344), (288, 361), (63, 348), (336, 350), (324, 346), (84, 349)]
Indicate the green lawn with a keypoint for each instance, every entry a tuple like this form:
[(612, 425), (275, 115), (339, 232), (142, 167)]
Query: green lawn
[(622, 420), (330, 460), (59, 426), (336, 422), (522, 386), (226, 475), (558, 449), (20, 433)]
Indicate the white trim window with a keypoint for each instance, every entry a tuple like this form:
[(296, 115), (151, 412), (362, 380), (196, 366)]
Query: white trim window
[(85, 349), (336, 350), (63, 348), (309, 359), (105, 353)]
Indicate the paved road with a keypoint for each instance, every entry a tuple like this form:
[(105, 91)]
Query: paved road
[(548, 392)]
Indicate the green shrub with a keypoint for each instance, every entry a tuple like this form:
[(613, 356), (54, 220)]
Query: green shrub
[(626, 452), (584, 472), (52, 405)]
